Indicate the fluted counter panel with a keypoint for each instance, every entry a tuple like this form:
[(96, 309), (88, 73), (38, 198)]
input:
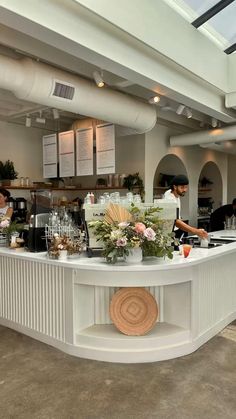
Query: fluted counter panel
[(32, 295)]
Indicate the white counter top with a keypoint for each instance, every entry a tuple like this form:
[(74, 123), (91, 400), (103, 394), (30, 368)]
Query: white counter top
[(197, 255)]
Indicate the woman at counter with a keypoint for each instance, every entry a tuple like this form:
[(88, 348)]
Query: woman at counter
[(5, 210)]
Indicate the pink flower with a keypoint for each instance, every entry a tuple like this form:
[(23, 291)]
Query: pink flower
[(150, 234), (139, 228), (4, 223), (122, 242)]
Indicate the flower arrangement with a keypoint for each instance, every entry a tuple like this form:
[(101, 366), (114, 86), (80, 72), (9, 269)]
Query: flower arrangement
[(64, 242), (8, 228), (122, 230)]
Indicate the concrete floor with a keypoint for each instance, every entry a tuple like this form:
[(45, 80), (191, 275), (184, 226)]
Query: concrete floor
[(38, 381)]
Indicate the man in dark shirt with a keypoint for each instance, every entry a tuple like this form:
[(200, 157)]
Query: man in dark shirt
[(219, 216)]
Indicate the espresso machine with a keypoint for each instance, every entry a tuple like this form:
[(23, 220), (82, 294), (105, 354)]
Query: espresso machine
[(39, 217)]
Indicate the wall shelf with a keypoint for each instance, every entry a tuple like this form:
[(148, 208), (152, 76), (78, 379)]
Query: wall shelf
[(66, 189), (161, 188), (202, 190)]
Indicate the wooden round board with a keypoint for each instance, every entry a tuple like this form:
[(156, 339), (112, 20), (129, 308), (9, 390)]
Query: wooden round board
[(133, 311)]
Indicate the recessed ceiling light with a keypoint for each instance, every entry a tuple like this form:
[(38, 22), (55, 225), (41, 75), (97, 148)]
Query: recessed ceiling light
[(189, 113), (55, 114), (40, 119), (214, 122), (28, 121), (154, 99), (180, 109), (98, 79)]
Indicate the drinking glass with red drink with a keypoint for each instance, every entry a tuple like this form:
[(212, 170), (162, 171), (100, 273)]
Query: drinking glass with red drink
[(186, 249)]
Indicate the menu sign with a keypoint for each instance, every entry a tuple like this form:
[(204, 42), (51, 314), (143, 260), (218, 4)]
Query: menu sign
[(84, 151), (105, 147), (66, 154), (50, 156)]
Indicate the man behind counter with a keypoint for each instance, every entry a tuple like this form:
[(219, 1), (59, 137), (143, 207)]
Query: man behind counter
[(179, 187), (219, 216)]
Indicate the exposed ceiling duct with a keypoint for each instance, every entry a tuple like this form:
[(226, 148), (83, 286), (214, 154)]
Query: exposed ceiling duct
[(46, 85), (204, 137)]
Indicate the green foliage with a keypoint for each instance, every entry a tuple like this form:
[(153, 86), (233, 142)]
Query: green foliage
[(14, 227), (7, 170), (134, 181)]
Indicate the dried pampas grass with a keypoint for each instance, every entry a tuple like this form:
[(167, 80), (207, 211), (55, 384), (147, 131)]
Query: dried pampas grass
[(116, 213)]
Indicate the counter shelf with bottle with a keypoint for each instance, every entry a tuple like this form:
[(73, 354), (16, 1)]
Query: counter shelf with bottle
[(114, 197)]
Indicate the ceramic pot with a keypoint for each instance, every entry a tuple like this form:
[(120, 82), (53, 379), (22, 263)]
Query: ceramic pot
[(135, 255), (63, 255)]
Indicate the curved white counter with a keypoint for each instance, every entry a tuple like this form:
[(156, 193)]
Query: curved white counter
[(66, 303)]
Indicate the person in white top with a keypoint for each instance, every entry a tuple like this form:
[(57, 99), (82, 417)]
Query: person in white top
[(179, 187), (4, 208)]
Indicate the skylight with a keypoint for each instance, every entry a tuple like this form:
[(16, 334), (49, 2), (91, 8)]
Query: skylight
[(214, 18)]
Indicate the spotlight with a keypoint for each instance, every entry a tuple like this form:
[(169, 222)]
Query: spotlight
[(55, 114), (189, 113), (214, 122), (180, 109), (28, 121), (39, 119), (153, 100), (98, 79)]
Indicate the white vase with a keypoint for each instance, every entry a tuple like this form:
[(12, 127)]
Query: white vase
[(135, 255), (63, 255)]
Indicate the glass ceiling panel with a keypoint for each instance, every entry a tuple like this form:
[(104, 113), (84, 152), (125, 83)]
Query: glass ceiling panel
[(201, 6), (225, 23), (221, 28)]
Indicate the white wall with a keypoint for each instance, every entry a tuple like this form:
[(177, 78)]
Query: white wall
[(24, 147), (194, 158), (136, 153), (231, 178)]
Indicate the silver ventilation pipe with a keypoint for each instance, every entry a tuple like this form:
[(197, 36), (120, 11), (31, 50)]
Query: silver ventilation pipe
[(204, 137), (46, 85)]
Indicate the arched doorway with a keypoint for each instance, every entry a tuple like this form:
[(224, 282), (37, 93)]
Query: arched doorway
[(210, 189), (168, 167)]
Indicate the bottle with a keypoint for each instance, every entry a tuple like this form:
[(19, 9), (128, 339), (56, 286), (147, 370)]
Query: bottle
[(92, 199), (233, 222), (87, 199)]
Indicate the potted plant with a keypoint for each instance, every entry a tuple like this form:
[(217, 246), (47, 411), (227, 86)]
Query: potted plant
[(7, 172), (7, 229), (134, 181)]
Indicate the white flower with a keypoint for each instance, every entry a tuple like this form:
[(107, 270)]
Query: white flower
[(115, 234), (150, 234), (124, 224), (4, 223)]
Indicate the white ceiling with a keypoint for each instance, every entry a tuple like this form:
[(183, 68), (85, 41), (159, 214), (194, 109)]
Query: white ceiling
[(17, 44), (15, 110)]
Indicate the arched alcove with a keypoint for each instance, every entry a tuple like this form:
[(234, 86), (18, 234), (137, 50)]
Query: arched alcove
[(168, 167), (210, 192)]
